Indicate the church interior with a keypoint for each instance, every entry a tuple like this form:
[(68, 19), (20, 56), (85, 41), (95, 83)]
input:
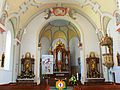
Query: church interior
[(60, 44)]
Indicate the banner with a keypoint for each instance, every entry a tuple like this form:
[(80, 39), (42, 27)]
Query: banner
[(47, 64)]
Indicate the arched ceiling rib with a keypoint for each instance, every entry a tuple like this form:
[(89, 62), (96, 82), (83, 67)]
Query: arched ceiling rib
[(32, 7)]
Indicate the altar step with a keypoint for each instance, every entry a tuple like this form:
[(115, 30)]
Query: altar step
[(105, 86), (68, 88)]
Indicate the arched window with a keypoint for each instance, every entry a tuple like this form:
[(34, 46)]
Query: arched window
[(7, 51), (119, 4)]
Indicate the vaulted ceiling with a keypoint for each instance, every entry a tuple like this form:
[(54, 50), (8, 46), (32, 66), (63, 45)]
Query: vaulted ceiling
[(60, 29), (24, 10)]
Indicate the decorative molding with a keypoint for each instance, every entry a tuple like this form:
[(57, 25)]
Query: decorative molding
[(116, 14), (95, 7), (59, 11), (19, 36), (3, 17), (72, 13)]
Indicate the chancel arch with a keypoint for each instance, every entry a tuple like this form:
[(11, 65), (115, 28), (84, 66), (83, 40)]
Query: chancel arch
[(60, 35), (47, 40), (81, 25)]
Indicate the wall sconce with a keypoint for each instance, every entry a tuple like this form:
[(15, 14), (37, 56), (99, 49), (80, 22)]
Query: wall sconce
[(39, 45), (79, 61), (79, 44)]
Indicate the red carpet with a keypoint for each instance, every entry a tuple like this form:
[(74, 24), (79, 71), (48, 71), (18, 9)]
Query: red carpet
[(80, 87)]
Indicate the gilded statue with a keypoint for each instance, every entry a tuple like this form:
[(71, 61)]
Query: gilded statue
[(27, 65)]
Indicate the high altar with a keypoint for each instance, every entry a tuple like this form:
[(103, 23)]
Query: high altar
[(62, 68)]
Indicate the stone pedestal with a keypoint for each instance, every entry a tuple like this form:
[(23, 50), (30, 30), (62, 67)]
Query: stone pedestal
[(26, 82), (95, 80)]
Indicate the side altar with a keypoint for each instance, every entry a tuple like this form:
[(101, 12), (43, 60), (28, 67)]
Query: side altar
[(26, 76), (61, 64), (93, 69)]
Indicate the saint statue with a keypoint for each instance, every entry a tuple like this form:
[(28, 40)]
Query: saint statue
[(59, 56), (3, 58), (27, 65)]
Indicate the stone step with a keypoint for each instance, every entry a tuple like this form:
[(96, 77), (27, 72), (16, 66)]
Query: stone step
[(68, 88)]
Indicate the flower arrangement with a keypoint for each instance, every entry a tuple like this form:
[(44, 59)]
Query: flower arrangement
[(73, 80)]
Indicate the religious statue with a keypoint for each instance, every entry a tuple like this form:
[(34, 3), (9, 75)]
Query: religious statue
[(59, 56), (27, 66), (66, 62), (3, 58), (59, 60)]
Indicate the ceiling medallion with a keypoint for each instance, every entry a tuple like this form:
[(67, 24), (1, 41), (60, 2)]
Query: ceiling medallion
[(59, 11)]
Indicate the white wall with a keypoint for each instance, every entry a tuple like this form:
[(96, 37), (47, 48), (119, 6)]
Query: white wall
[(29, 42), (45, 45), (111, 29), (6, 75), (16, 62), (1, 5), (89, 40), (1, 44), (74, 51)]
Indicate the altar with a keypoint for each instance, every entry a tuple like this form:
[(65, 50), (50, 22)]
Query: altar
[(26, 76), (61, 58), (61, 64), (93, 69)]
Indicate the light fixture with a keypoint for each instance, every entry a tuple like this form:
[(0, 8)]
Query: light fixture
[(79, 44), (39, 45)]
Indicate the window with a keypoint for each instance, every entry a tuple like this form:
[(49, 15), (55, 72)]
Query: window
[(7, 51), (119, 4)]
